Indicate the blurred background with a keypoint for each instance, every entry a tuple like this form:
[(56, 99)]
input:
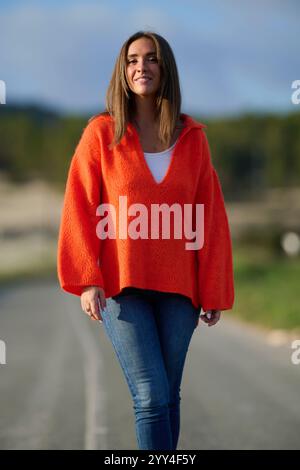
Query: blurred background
[(237, 63)]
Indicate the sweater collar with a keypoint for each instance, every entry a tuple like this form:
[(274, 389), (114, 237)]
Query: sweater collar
[(188, 122)]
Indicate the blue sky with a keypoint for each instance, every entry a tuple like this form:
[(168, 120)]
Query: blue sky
[(232, 55)]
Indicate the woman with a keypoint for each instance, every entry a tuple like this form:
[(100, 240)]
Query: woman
[(148, 290)]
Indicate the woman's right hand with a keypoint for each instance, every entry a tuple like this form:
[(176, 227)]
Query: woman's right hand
[(90, 298)]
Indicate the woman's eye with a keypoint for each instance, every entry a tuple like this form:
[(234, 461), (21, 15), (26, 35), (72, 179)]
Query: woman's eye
[(152, 59)]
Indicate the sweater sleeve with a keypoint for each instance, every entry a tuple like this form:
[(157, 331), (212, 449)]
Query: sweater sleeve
[(78, 244), (215, 263)]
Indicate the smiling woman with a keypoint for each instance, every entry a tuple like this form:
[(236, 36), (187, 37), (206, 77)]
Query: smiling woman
[(151, 325), (144, 90), (143, 70)]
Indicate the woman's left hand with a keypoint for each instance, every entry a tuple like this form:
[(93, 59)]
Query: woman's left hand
[(211, 317)]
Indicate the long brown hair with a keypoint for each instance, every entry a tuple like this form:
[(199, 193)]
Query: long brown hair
[(120, 103)]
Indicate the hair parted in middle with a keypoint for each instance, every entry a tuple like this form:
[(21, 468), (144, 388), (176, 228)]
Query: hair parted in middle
[(120, 103)]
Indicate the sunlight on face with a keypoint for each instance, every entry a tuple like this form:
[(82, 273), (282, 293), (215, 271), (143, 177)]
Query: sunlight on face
[(142, 62)]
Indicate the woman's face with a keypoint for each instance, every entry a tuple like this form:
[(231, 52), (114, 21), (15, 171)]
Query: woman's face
[(142, 62)]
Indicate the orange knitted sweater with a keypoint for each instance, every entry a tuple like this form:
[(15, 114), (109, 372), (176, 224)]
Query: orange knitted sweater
[(123, 246)]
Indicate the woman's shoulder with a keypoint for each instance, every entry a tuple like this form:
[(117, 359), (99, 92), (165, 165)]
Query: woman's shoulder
[(100, 122), (191, 121), (103, 115)]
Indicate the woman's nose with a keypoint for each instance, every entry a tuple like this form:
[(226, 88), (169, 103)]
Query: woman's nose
[(141, 66)]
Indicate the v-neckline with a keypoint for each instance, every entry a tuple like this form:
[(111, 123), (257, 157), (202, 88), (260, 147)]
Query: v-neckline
[(173, 158)]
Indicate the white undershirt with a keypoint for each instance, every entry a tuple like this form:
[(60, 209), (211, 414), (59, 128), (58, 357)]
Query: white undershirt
[(159, 162)]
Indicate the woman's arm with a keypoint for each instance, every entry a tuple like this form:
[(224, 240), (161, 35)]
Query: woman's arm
[(78, 244), (215, 263)]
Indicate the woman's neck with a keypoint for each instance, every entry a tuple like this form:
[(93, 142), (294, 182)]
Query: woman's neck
[(145, 114)]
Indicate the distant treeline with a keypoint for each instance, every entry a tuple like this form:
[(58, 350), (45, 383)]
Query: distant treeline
[(250, 152)]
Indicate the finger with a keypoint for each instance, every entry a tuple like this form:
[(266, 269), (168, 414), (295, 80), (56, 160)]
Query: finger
[(102, 301), (83, 302), (100, 317), (94, 316), (87, 310), (95, 309), (203, 318), (207, 314)]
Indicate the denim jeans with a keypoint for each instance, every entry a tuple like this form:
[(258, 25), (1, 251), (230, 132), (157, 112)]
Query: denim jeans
[(150, 332)]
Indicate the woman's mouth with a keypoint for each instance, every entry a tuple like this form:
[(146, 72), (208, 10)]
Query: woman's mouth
[(143, 80)]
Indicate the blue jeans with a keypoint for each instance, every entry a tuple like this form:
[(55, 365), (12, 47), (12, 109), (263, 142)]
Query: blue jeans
[(151, 332)]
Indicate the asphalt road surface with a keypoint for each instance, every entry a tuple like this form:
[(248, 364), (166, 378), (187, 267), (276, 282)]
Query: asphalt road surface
[(61, 386)]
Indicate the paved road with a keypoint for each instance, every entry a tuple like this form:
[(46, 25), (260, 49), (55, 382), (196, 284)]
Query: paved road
[(62, 387)]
